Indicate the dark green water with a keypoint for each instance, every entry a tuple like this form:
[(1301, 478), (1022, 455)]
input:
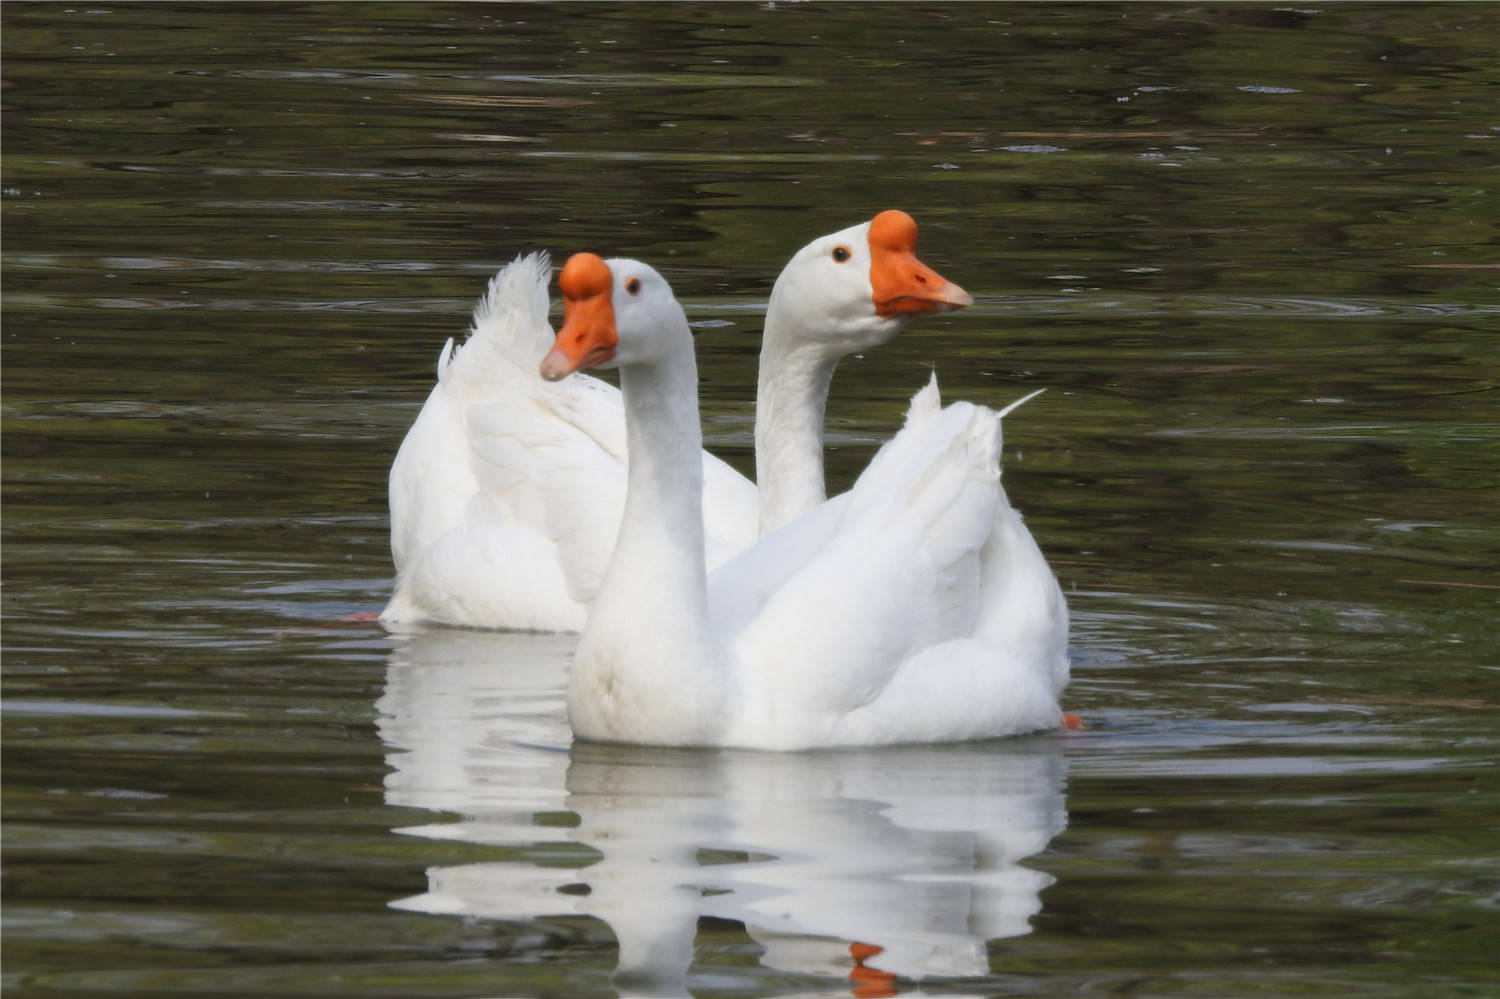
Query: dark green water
[(1249, 250)]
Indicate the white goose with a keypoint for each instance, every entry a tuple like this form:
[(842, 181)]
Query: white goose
[(874, 632), (505, 494)]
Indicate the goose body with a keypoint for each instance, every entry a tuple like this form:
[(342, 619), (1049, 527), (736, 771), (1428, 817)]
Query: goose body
[(866, 621)]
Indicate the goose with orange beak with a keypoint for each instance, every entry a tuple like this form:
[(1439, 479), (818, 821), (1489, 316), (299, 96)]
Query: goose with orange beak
[(841, 294), (873, 635)]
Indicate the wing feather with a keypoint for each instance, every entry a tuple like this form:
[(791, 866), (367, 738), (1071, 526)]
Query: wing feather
[(894, 568)]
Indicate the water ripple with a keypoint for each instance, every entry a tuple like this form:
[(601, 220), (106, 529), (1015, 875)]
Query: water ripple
[(1089, 304), (1210, 306)]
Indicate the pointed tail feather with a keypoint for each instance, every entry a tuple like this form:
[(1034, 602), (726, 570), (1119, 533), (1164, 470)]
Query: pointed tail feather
[(1003, 413), (926, 403), (510, 320)]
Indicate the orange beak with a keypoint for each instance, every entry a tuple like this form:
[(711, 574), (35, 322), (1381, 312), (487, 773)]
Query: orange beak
[(588, 336), (903, 285)]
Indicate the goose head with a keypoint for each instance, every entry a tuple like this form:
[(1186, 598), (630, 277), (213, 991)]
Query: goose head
[(615, 312), (857, 287)]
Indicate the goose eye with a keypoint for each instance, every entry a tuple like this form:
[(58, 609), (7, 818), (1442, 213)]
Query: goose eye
[(841, 253), (633, 286)]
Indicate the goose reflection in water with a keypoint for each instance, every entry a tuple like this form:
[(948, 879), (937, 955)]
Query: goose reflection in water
[(864, 865)]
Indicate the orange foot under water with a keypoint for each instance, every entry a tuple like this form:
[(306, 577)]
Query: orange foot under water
[(1072, 722), (360, 617)]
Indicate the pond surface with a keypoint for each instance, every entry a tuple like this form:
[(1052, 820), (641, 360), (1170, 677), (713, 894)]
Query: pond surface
[(1249, 251)]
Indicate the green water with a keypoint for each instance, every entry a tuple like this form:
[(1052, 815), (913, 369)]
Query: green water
[(1249, 251)]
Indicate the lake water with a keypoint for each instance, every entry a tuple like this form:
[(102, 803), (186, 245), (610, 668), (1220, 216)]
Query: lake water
[(1249, 251)]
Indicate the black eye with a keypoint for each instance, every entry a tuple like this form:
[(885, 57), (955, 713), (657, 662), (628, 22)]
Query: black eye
[(633, 286), (841, 253)]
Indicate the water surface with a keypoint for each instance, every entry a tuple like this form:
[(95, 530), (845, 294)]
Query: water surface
[(1249, 251)]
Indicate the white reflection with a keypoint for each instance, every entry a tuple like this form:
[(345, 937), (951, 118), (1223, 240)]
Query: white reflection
[(908, 855)]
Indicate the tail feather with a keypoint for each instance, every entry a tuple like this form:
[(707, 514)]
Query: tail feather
[(936, 444), (926, 404), (958, 492), (1003, 413), (510, 320)]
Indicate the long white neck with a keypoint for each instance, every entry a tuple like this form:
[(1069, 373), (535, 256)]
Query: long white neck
[(661, 531), (648, 638), (791, 396)]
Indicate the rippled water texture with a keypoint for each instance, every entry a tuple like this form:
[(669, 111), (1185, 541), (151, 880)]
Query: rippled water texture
[(1248, 250)]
